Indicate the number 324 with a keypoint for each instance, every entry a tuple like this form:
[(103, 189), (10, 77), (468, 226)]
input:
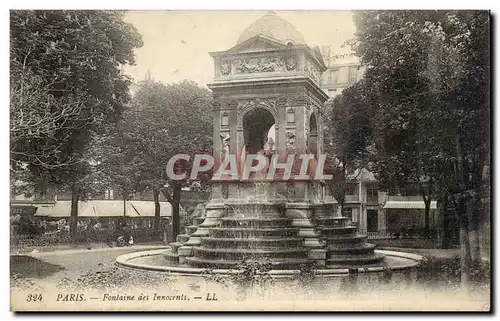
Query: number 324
[(34, 297)]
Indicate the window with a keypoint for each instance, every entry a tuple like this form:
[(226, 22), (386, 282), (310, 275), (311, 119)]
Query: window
[(372, 193), (353, 74), (332, 92), (372, 220), (334, 76), (347, 212), (350, 188)]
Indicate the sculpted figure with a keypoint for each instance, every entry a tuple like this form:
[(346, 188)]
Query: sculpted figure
[(225, 68)]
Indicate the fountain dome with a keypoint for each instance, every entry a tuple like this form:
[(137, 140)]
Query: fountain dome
[(273, 26)]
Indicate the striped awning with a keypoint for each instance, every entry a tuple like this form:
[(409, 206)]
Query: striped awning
[(107, 208), (418, 205)]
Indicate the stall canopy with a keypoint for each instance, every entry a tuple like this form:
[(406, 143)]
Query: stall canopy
[(409, 205), (108, 208)]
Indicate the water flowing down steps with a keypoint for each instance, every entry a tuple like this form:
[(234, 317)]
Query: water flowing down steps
[(261, 231)]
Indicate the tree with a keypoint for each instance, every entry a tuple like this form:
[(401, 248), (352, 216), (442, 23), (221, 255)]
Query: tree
[(86, 184), (348, 133), (164, 120), (67, 88), (403, 122), (430, 75)]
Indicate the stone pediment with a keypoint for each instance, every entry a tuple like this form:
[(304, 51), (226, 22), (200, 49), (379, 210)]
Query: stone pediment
[(257, 43)]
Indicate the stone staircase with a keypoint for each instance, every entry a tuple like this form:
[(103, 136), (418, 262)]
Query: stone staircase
[(271, 236), (172, 254), (344, 247)]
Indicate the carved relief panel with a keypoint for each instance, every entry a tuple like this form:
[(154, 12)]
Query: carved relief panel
[(225, 67), (290, 139), (290, 116), (256, 65), (224, 121), (312, 71)]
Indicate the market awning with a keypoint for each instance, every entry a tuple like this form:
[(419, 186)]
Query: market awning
[(107, 208), (59, 209), (418, 205), (145, 208)]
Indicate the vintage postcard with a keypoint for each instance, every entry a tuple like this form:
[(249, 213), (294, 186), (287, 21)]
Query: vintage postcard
[(250, 160)]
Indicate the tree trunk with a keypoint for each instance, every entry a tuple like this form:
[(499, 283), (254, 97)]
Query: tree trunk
[(465, 259), (176, 219), (475, 247), (427, 202), (449, 224), (156, 222), (73, 221), (463, 214)]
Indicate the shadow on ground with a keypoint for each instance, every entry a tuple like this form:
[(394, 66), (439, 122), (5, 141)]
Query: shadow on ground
[(30, 267)]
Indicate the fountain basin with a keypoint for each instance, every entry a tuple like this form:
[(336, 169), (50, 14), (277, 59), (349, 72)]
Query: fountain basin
[(153, 260)]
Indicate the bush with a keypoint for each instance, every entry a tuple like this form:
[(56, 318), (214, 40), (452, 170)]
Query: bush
[(250, 274), (111, 277), (438, 272), (306, 276)]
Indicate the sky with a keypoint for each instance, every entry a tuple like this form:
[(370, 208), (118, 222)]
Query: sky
[(177, 43)]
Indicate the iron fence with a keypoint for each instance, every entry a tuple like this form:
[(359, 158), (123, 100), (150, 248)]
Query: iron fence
[(403, 234), (62, 237), (406, 238)]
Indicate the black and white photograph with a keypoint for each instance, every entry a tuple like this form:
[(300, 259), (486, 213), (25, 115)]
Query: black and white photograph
[(250, 160)]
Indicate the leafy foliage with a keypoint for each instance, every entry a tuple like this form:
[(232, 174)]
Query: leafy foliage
[(349, 134), (66, 89), (164, 120), (426, 90), (66, 82), (250, 274), (110, 277), (306, 276)]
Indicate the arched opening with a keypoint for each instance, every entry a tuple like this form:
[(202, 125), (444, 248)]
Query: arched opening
[(312, 141), (258, 131)]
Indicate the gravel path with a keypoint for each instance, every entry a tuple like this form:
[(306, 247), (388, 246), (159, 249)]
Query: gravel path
[(70, 263)]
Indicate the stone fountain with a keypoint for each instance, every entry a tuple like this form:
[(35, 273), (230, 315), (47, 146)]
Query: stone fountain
[(270, 81)]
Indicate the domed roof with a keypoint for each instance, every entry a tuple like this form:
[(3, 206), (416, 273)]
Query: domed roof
[(273, 26)]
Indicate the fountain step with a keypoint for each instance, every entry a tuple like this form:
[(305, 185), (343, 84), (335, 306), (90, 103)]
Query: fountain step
[(248, 243), (256, 222), (182, 238), (239, 254), (239, 232), (171, 257), (191, 229), (327, 231), (349, 260), (174, 246), (342, 239), (287, 264), (198, 220), (360, 248)]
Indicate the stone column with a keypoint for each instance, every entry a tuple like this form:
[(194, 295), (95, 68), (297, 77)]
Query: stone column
[(235, 144), (300, 147), (215, 208), (281, 150), (300, 207)]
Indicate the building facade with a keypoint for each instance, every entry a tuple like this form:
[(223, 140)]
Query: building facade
[(342, 72)]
